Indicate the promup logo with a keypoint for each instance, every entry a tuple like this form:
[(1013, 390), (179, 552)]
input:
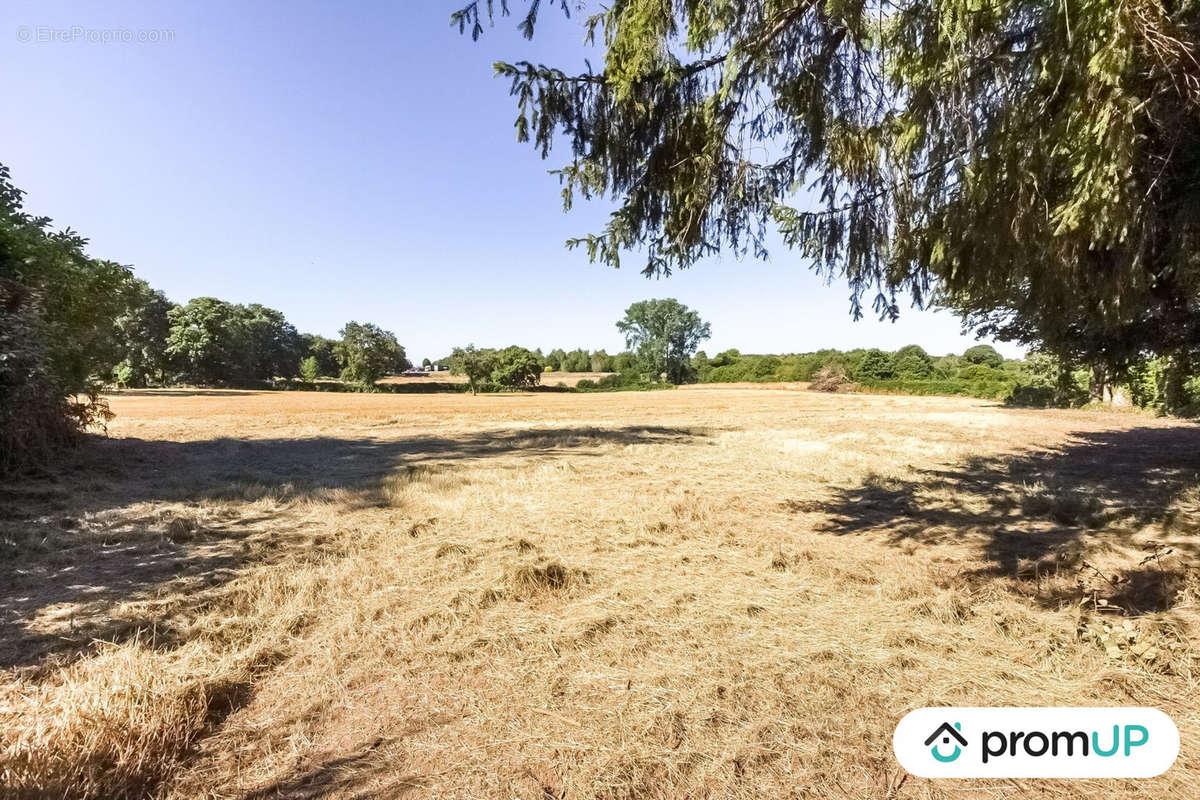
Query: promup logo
[(946, 732), (1036, 742)]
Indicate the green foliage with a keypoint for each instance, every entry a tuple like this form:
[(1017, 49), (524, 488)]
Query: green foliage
[(624, 362), (620, 382), (875, 365), (912, 363), (663, 334), (275, 348), (368, 353), (1166, 385), (600, 361), (214, 343), (323, 350), (477, 365), (58, 336), (983, 354), (745, 368), (726, 358), (1042, 380), (208, 343), (516, 368), (141, 329), (310, 370), (1046, 381), (1032, 164), (554, 360)]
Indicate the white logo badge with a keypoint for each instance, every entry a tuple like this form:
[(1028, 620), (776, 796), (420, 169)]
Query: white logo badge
[(1036, 742)]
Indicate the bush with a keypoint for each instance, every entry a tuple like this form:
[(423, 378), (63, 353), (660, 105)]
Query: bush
[(516, 368), (1032, 396), (984, 354), (912, 362), (875, 365), (310, 369), (58, 335), (741, 369)]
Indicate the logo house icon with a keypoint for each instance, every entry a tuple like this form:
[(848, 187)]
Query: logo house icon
[(946, 732)]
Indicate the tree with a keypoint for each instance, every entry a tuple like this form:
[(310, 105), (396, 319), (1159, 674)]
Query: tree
[(275, 348), (426, 364), (577, 360), (875, 365), (554, 360), (476, 365), (209, 342), (912, 362), (58, 338), (367, 353), (310, 370), (664, 334), (984, 354), (1032, 166), (142, 329), (322, 350), (600, 361), (624, 362), (726, 358), (516, 368)]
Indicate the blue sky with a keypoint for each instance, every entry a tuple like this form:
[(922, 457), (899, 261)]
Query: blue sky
[(355, 161)]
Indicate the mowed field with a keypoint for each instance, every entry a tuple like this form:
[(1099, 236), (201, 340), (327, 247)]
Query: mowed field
[(717, 593)]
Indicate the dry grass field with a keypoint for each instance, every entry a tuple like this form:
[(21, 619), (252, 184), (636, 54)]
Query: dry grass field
[(714, 593)]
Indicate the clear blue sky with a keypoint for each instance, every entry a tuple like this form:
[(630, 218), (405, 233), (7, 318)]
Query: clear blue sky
[(354, 161)]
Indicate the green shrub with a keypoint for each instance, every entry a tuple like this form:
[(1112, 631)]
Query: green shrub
[(875, 365), (912, 362), (1032, 396), (984, 354), (310, 369), (516, 368)]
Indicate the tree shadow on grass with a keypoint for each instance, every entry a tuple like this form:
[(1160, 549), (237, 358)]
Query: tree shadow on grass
[(71, 548), (1048, 510), (370, 771)]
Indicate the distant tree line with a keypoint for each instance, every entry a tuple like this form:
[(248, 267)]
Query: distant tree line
[(579, 360), (211, 342), (1041, 379)]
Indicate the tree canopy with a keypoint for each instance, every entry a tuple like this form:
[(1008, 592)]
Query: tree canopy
[(663, 334), (58, 332), (517, 368), (142, 329), (1034, 165), (368, 353), (474, 364)]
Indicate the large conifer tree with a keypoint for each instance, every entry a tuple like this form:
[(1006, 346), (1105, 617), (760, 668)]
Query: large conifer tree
[(1035, 164)]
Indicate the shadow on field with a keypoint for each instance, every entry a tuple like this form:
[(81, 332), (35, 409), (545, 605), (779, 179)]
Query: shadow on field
[(71, 549), (1045, 511), (185, 392), (352, 774)]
